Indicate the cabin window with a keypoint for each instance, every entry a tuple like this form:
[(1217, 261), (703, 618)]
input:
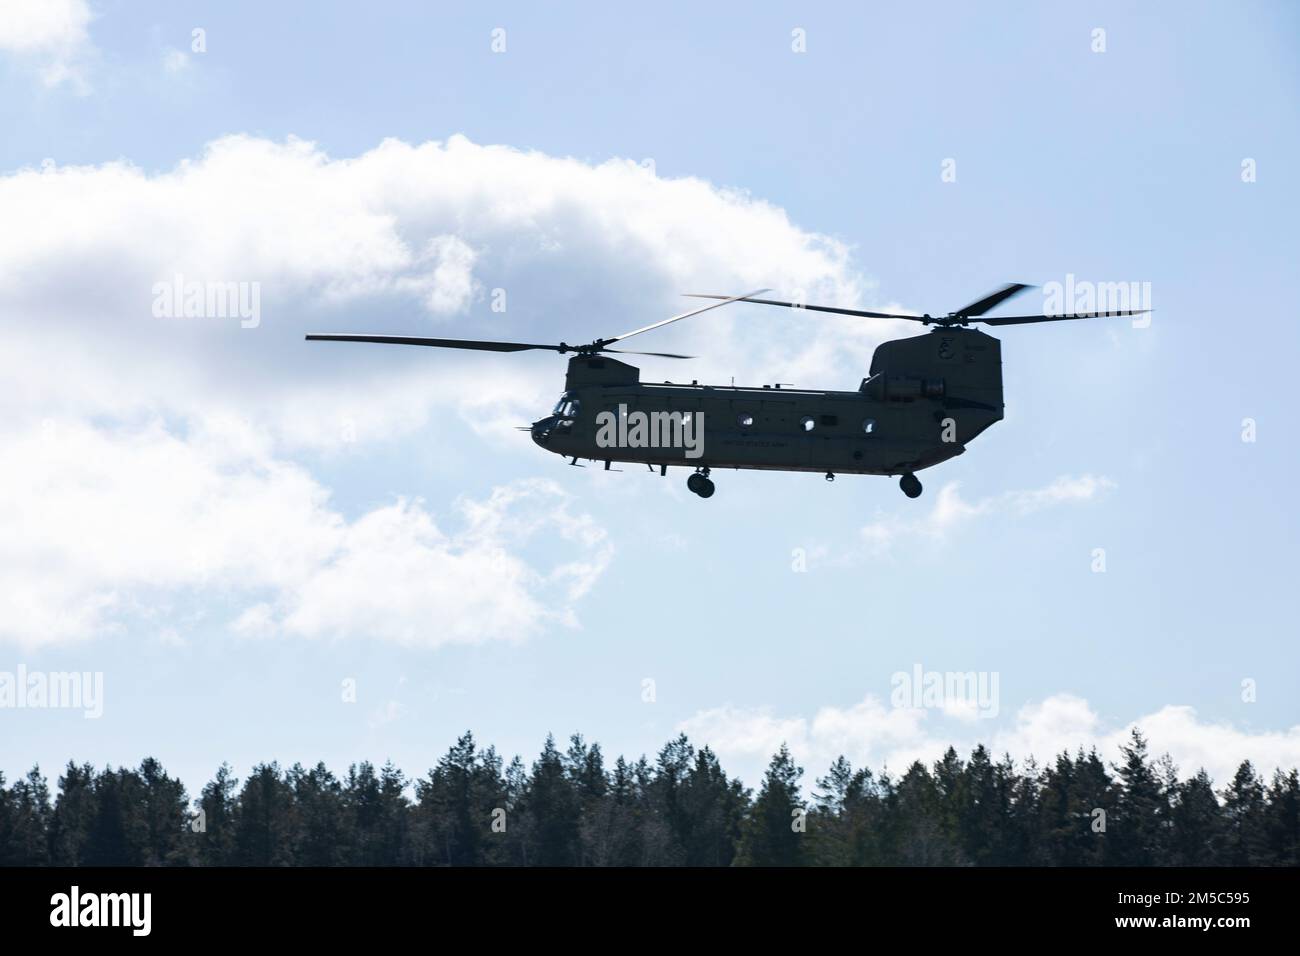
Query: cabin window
[(869, 426), (744, 419), (807, 423)]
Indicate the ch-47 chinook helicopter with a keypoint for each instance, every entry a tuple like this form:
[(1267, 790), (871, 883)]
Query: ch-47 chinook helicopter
[(924, 399)]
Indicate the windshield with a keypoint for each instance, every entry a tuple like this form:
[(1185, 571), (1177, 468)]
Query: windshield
[(567, 406)]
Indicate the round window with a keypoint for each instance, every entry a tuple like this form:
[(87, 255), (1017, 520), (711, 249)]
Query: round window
[(808, 423), (869, 426), (744, 419)]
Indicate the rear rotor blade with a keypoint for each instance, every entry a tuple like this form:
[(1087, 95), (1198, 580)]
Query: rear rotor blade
[(980, 306), (1026, 319), (435, 343), (812, 308)]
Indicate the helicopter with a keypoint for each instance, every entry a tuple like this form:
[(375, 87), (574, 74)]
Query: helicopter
[(923, 400)]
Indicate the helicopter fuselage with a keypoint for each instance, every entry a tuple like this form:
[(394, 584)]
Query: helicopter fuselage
[(925, 398)]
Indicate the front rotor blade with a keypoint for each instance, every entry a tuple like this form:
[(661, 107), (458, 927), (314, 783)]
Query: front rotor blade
[(813, 308), (435, 343), (1026, 319), (656, 354), (980, 306), (678, 318)]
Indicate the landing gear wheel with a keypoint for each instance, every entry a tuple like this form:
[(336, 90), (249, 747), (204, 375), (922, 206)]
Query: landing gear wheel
[(911, 486), (700, 485)]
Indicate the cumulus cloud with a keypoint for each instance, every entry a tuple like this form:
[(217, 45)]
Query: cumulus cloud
[(873, 733), (159, 455), (50, 35), (413, 238), (951, 511), (106, 525), (391, 218)]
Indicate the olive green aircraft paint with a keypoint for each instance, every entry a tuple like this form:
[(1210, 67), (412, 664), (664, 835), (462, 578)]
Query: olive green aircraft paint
[(924, 400)]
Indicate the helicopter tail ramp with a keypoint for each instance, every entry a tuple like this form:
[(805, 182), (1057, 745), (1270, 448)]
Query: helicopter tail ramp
[(959, 369)]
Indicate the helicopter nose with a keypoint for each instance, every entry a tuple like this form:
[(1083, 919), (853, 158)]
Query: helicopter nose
[(542, 431)]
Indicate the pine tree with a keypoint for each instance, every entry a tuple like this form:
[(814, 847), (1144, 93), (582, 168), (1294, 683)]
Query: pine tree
[(619, 841), (1024, 846), (517, 832), (551, 805), (914, 831), (1092, 790), (1056, 821), (324, 835), (1137, 834), (670, 818), (455, 806), (654, 817), (1282, 819), (74, 813), (213, 826), (264, 823), (715, 810), (24, 821), (32, 814), (585, 768), (846, 818), (377, 808), (118, 833), (1197, 833), (492, 800), (1245, 836), (953, 802), (775, 832), (164, 816), (983, 812)]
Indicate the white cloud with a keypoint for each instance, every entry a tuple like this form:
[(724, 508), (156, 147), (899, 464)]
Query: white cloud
[(404, 238), (104, 524), (395, 575), (49, 34), (951, 511), (871, 733), (448, 286), (118, 512), (287, 213)]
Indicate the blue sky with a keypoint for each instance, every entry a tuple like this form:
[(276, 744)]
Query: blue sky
[(229, 523)]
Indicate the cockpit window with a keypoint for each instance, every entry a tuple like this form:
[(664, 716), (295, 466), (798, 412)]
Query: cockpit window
[(567, 406)]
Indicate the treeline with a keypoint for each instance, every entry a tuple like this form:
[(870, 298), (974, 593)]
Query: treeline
[(681, 809)]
